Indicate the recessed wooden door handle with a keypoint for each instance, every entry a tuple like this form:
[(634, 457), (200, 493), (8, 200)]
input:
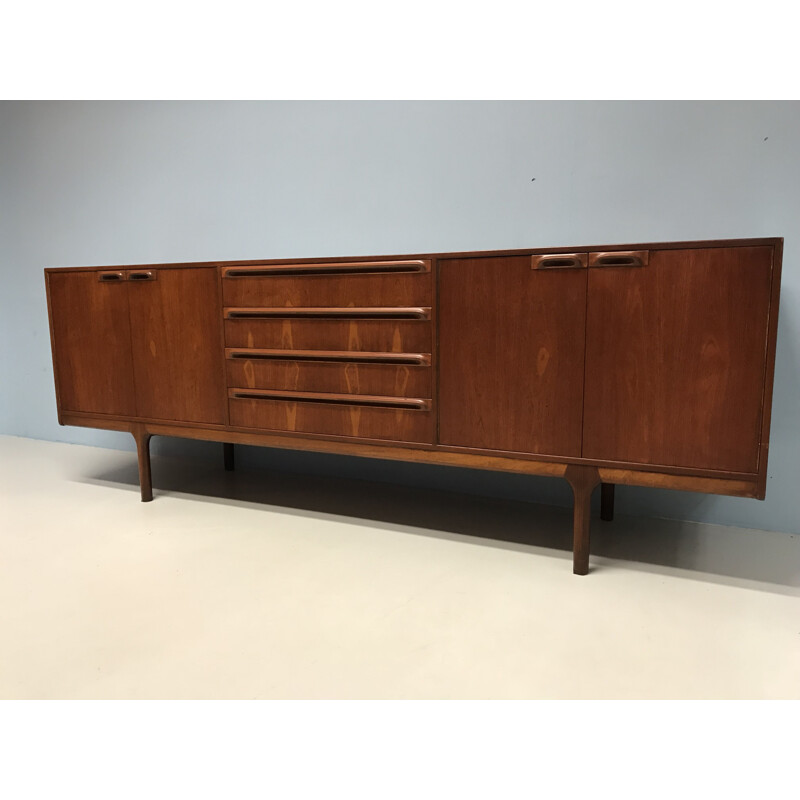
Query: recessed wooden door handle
[(559, 261), (110, 277), (619, 258), (141, 275)]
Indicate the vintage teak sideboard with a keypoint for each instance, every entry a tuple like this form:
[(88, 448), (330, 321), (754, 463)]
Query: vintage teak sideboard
[(642, 364)]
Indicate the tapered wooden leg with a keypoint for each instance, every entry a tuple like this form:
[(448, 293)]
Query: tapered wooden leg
[(583, 481), (227, 454), (143, 451), (607, 502)]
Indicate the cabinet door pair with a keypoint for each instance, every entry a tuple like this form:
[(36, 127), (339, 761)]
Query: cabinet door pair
[(140, 348), (659, 364)]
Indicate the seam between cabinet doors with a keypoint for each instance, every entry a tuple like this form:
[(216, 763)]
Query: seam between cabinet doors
[(585, 359)]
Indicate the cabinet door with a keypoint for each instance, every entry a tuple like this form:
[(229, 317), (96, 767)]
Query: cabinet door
[(92, 342), (511, 347), (676, 358), (177, 345)]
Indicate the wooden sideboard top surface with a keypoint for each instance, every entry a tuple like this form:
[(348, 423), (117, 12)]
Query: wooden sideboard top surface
[(768, 241)]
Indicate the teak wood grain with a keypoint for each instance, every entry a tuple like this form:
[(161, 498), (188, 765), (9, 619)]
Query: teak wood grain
[(400, 425), (676, 356), (511, 345), (91, 344), (639, 364), (385, 335), (354, 378), (176, 346), (391, 289)]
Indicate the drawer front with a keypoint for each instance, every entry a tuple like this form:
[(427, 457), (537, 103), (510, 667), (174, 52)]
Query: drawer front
[(378, 284), (398, 380), (390, 336), (363, 421)]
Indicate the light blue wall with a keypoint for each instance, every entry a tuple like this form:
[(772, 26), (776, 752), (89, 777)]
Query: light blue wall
[(108, 183)]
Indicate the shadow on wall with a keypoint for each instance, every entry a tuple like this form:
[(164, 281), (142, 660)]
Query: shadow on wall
[(704, 552)]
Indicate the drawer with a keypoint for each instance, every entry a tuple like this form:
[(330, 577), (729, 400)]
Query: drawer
[(383, 283), (333, 415), (375, 335), (327, 371)]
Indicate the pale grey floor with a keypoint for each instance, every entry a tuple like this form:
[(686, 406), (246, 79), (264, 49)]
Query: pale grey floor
[(267, 585)]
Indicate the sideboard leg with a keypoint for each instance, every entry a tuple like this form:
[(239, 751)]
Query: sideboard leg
[(607, 502), (143, 451), (227, 454), (583, 480)]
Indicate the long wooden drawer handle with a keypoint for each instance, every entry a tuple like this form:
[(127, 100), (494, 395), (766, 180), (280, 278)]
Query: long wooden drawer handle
[(328, 313), (342, 268), (619, 258), (559, 261), (336, 356), (375, 401), (110, 277)]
